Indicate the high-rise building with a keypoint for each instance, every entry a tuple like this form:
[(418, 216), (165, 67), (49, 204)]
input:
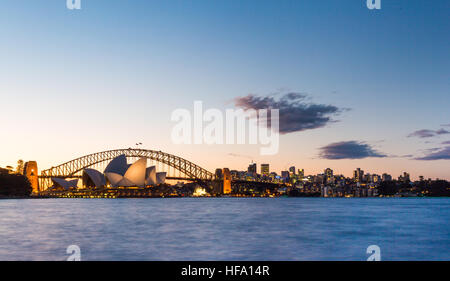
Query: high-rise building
[(406, 177), (292, 170), (386, 177), (328, 174), (219, 174), (358, 175), (252, 168), (376, 178), (265, 171), (285, 174), (301, 174)]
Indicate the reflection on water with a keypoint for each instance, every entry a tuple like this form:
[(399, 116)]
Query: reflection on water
[(225, 228)]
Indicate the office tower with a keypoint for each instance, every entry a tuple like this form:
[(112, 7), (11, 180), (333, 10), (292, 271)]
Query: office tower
[(219, 174), (301, 174), (292, 170), (406, 177), (358, 175), (376, 178), (328, 173), (386, 177), (252, 168), (265, 171)]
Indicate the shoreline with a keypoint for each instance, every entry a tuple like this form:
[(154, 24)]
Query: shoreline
[(212, 197)]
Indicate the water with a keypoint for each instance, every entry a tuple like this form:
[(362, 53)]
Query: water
[(225, 228)]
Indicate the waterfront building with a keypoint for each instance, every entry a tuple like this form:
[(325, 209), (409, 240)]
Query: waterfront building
[(406, 177), (358, 175), (386, 177), (329, 175), (292, 170), (301, 174), (252, 168), (376, 178), (93, 178), (118, 173), (219, 174), (64, 184), (265, 170)]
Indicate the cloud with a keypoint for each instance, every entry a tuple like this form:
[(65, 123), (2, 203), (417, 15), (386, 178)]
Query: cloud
[(296, 114), (437, 154), (428, 133), (446, 142), (442, 132), (349, 150)]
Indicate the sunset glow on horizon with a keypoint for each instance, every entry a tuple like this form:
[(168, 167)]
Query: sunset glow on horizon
[(356, 88)]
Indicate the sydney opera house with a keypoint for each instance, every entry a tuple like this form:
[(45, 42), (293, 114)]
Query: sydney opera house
[(118, 173)]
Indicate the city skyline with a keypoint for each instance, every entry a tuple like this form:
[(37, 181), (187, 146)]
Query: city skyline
[(373, 84)]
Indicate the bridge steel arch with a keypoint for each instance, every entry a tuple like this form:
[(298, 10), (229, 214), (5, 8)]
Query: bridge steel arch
[(71, 168)]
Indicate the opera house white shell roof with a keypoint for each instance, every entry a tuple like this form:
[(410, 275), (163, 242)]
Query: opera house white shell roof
[(118, 173), (64, 183), (93, 176)]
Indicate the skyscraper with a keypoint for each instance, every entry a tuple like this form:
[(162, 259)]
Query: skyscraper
[(265, 171), (292, 170), (328, 173), (301, 174), (252, 168), (358, 175), (219, 174), (386, 177), (406, 177)]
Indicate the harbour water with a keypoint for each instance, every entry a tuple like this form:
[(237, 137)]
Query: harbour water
[(226, 228)]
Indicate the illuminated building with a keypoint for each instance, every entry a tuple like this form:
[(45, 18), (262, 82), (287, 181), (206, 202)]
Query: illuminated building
[(119, 174), (265, 171), (328, 175), (358, 175), (30, 170), (301, 174), (292, 170), (376, 178), (252, 168)]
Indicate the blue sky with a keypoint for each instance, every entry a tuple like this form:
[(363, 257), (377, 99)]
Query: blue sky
[(74, 82)]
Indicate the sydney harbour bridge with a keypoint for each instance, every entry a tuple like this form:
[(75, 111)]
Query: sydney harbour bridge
[(177, 168)]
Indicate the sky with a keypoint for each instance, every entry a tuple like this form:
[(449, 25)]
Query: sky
[(358, 87)]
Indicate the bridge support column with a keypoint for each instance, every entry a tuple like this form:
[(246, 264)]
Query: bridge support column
[(30, 170)]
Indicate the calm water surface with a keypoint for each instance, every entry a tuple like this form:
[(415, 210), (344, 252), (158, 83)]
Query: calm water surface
[(225, 228)]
